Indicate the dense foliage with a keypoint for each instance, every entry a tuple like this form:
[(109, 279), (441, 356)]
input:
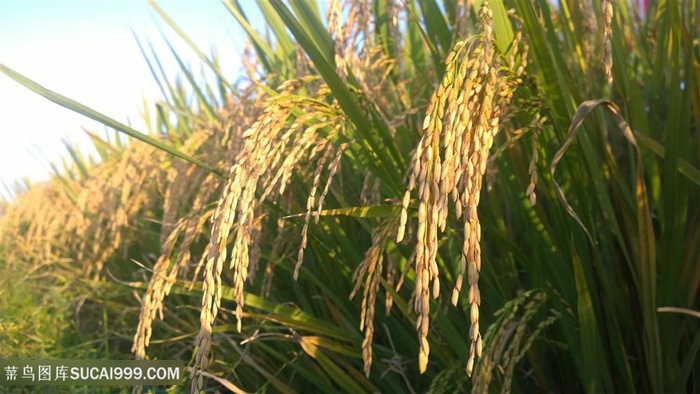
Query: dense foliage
[(298, 230)]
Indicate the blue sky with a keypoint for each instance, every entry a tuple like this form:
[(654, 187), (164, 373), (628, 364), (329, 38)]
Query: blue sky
[(85, 50)]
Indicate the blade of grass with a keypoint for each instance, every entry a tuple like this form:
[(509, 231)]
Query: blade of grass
[(342, 379), (103, 148), (214, 67), (262, 48), (107, 121), (435, 25), (502, 28), (646, 253), (382, 211), (685, 168), (307, 12), (203, 101), (589, 332), (283, 41), (78, 159)]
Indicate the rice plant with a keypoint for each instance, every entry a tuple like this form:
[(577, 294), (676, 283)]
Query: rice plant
[(295, 231)]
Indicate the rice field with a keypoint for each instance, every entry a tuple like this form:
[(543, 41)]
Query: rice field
[(419, 196)]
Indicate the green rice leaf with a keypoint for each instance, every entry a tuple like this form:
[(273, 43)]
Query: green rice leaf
[(107, 121), (380, 211)]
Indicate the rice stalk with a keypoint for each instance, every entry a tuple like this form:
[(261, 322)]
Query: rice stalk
[(250, 61), (279, 248), (310, 202), (352, 36), (292, 130), (335, 28), (607, 42), (395, 11), (367, 275), (589, 29), (532, 167), (461, 121), (179, 185), (161, 282), (31, 228), (509, 339), (152, 302), (365, 191)]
